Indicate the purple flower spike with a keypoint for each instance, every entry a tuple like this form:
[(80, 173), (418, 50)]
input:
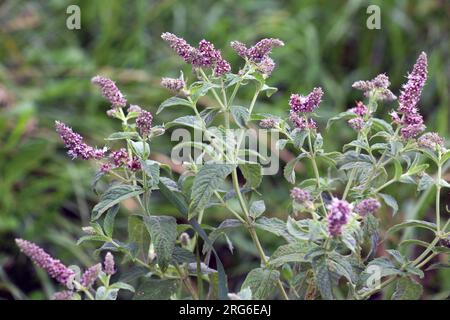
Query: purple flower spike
[(360, 109), (306, 104), (266, 66), (240, 48), (90, 275), (339, 212), (431, 140), (75, 145), (268, 123), (262, 49), (412, 90), (356, 123), (144, 122), (299, 195), (175, 85), (109, 265), (367, 206), (53, 267), (379, 85), (301, 123), (180, 46), (110, 91)]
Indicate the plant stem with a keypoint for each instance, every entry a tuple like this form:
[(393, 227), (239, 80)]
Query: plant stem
[(312, 154)]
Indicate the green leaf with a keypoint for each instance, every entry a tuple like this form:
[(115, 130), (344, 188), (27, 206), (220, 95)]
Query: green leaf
[(269, 90), (417, 168), (169, 189), (398, 169), (390, 201), (240, 115), (142, 149), (299, 137), (113, 196), (122, 285), (413, 223), (407, 289), (163, 231), (262, 282), (318, 142), (252, 173), (257, 208), (382, 125), (289, 170), (200, 89), (173, 101), (223, 228), (181, 255), (138, 234), (154, 289), (445, 157), (92, 238), (205, 183), (323, 277), (123, 135), (291, 252), (151, 169), (425, 182), (189, 121), (108, 223), (275, 226)]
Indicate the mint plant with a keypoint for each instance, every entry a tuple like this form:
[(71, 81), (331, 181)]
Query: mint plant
[(332, 231)]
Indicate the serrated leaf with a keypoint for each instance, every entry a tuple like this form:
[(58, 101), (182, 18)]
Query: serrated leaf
[(181, 255), (155, 289), (205, 183), (108, 222), (170, 190), (189, 121), (173, 101), (262, 282), (292, 252), (240, 115), (318, 142), (299, 137), (142, 149), (252, 173), (91, 238), (323, 277), (122, 285), (257, 208), (223, 228), (113, 196), (390, 201), (163, 232), (407, 289), (138, 234), (398, 169), (269, 90), (275, 226), (151, 169), (343, 115)]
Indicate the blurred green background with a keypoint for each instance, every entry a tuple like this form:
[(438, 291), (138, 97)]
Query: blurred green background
[(45, 72)]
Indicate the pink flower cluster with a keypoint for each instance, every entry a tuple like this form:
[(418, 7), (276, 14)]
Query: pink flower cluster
[(411, 120), (268, 123), (53, 267), (144, 122), (306, 104), (367, 206), (431, 140), (377, 86), (120, 158), (109, 265), (110, 91), (301, 122), (339, 212), (203, 56), (90, 275), (175, 85), (259, 53), (300, 195), (75, 145)]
